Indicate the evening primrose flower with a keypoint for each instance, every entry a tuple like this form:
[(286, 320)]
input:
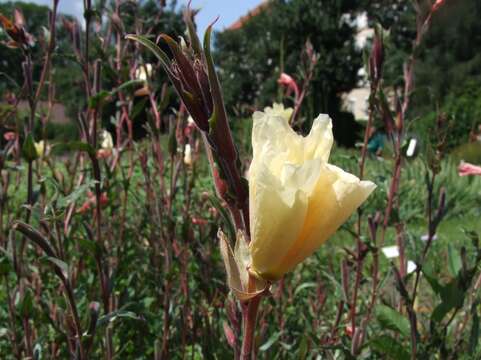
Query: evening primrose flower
[(297, 199), (143, 72), (188, 155), (40, 148), (107, 142)]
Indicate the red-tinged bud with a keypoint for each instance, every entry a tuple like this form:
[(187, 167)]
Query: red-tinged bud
[(213, 212), (73, 29), (203, 80), (20, 38), (10, 136), (358, 339), (220, 184), (94, 307), (349, 331), (199, 221), (229, 335), (92, 201), (231, 312), (84, 208), (376, 58), (438, 5), (104, 200), (189, 130)]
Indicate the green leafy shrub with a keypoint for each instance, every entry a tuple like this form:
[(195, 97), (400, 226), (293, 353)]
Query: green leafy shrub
[(470, 152), (463, 111)]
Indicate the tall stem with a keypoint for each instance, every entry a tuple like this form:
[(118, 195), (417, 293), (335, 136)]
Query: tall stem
[(249, 318)]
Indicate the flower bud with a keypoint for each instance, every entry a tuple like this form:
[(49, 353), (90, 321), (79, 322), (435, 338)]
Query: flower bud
[(290, 83), (376, 58)]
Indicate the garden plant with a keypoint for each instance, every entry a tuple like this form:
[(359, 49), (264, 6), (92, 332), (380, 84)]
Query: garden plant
[(170, 226)]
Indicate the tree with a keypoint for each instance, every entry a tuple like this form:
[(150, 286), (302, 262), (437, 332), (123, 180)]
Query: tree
[(448, 63), (252, 57)]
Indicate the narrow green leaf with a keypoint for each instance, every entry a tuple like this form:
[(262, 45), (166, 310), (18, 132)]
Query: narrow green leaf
[(126, 85), (213, 82), (156, 50), (98, 99), (224, 215), (454, 260), (138, 107), (271, 341), (303, 348), (24, 304), (392, 320), (389, 348), (35, 236), (113, 316), (194, 39), (305, 285), (61, 265), (76, 194)]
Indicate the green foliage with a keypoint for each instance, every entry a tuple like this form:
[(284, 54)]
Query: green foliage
[(36, 16), (462, 108), (156, 253), (448, 64), (470, 152), (251, 58)]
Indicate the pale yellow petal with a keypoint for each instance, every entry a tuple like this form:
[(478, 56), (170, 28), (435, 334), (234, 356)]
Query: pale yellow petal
[(279, 110), (337, 195), (277, 214), (318, 144), (271, 132)]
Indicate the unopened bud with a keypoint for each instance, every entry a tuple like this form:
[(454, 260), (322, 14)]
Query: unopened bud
[(376, 58)]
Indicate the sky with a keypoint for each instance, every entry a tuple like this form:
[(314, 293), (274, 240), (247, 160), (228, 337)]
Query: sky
[(228, 10)]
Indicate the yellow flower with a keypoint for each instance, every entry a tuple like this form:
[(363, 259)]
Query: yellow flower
[(188, 155), (297, 200), (40, 148), (106, 140), (143, 71)]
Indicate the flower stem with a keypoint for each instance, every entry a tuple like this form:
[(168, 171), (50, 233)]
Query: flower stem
[(249, 318)]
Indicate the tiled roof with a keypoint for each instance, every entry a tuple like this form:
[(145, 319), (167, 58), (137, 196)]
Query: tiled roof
[(253, 13)]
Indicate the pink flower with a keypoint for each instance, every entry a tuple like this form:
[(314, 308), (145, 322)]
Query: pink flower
[(465, 169), (9, 136), (92, 201), (199, 221), (437, 5), (287, 81), (349, 331)]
